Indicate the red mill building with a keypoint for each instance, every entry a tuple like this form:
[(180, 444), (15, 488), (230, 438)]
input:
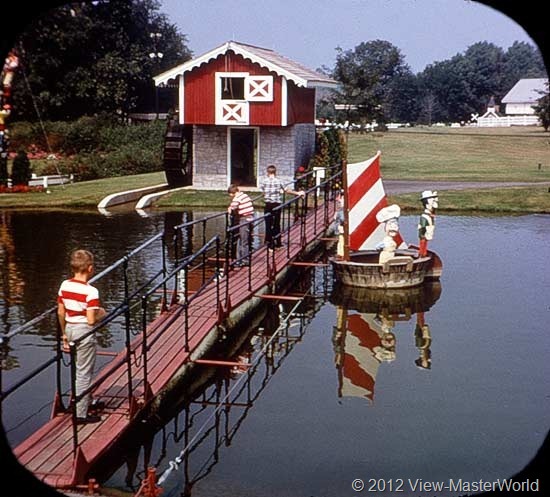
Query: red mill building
[(241, 108)]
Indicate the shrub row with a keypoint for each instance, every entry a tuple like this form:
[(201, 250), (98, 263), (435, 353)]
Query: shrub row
[(93, 147)]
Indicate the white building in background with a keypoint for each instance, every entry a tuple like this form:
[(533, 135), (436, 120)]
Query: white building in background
[(518, 105), (525, 93)]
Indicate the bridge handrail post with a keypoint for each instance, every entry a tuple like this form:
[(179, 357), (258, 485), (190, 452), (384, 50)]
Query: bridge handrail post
[(74, 398), (186, 283), (315, 204), (186, 304), (144, 340), (325, 203), (204, 253), (303, 220), (59, 362), (228, 246), (175, 242), (128, 354), (176, 262), (250, 230), (289, 226), (163, 249), (127, 332), (218, 273), (186, 328)]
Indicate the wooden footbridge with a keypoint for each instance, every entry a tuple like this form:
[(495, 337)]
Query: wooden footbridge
[(203, 293)]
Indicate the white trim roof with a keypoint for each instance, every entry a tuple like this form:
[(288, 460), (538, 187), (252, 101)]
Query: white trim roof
[(490, 114), (265, 57), (526, 91)]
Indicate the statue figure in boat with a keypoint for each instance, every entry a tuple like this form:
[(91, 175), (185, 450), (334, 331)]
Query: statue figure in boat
[(390, 217), (426, 224)]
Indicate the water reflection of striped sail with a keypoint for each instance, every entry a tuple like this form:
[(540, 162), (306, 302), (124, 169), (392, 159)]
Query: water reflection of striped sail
[(361, 356), (366, 197)]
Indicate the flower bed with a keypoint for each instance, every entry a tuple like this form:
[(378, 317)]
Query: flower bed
[(21, 189)]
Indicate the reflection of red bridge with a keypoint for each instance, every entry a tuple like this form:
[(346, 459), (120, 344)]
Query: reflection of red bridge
[(207, 293)]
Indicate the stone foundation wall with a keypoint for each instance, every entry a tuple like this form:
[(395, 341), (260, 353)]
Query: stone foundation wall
[(285, 147), (210, 157)]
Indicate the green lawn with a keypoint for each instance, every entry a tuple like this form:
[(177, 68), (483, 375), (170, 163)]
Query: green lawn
[(453, 154)]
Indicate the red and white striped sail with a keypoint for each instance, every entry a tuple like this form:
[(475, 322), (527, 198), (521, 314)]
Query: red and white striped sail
[(366, 196)]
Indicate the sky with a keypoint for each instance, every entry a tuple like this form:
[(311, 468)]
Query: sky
[(308, 31)]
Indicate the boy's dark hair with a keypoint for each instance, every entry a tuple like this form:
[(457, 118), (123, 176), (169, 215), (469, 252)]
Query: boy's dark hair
[(233, 189), (80, 260), (271, 169)]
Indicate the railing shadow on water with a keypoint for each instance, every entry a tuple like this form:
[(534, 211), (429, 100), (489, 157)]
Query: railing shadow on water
[(181, 276)]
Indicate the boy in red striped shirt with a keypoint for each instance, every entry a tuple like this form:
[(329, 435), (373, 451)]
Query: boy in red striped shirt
[(241, 207), (78, 310)]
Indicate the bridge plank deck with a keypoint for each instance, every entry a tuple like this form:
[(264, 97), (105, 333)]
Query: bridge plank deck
[(49, 452)]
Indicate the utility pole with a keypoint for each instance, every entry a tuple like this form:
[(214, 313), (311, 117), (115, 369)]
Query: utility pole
[(156, 55)]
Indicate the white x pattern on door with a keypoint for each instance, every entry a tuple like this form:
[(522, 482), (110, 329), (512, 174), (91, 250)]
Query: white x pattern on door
[(259, 89)]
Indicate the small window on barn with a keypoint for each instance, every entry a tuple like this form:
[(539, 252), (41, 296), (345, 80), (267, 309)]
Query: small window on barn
[(232, 88)]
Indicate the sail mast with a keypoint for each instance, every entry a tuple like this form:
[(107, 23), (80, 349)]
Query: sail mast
[(345, 193)]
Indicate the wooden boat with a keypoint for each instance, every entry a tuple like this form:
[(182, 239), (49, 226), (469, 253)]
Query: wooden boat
[(363, 270), (364, 196)]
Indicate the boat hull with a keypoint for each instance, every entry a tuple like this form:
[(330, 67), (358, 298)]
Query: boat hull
[(403, 271)]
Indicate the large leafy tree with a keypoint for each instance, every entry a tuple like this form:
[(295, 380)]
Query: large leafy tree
[(401, 103), (482, 71), (521, 60), (454, 89), (444, 91), (88, 58), (368, 75)]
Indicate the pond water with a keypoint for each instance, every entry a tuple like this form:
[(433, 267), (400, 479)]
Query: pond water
[(448, 383)]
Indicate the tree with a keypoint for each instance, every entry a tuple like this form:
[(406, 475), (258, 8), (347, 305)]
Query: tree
[(366, 74), (428, 108), (482, 70), (444, 87), (322, 151), (88, 58), (542, 109), (334, 152), (401, 103), (521, 60)]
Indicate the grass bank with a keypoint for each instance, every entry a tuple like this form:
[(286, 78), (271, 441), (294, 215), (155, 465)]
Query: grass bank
[(431, 154), (513, 200), (83, 194)]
